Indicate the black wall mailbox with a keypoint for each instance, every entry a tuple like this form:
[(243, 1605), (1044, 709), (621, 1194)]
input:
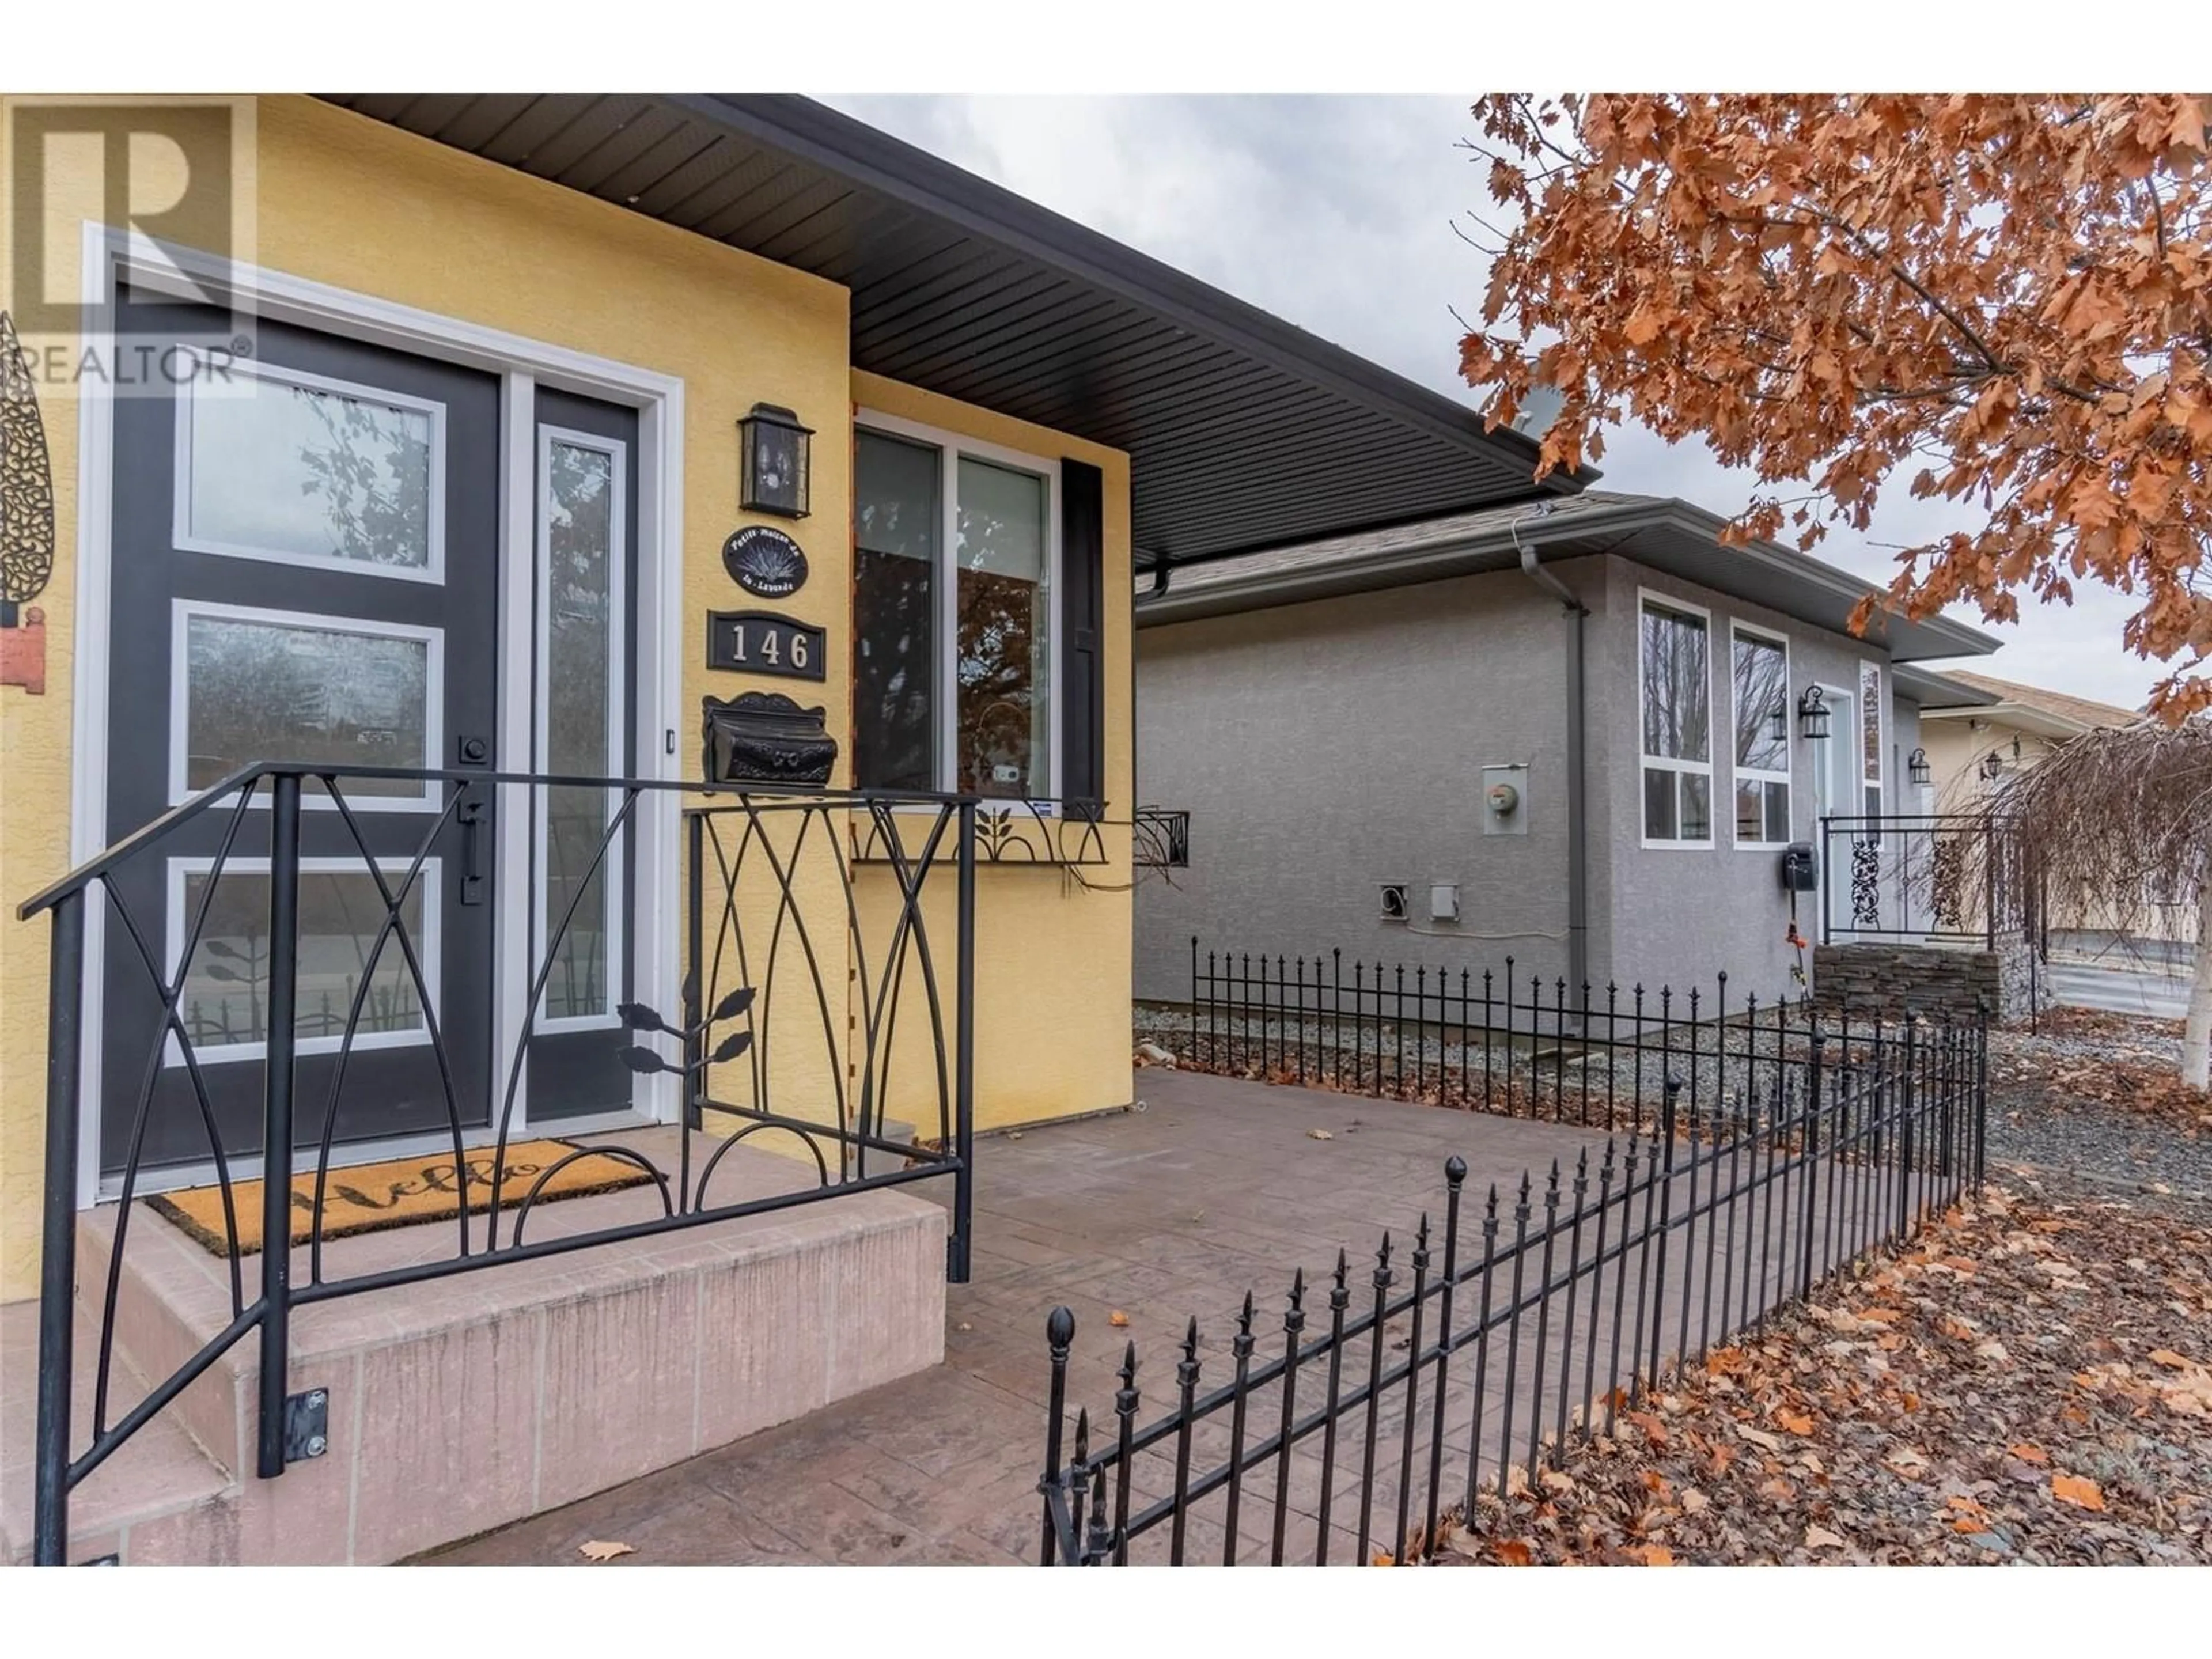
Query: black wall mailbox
[(763, 642), (1800, 871), (763, 736)]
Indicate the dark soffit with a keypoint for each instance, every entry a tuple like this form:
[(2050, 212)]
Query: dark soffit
[(1243, 431)]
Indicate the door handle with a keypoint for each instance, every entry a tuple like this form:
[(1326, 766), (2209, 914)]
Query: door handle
[(470, 818)]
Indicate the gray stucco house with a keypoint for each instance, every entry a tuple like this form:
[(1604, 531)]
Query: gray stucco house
[(1570, 732)]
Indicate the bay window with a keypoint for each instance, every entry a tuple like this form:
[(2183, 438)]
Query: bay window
[(1675, 676), (1760, 679), (954, 557)]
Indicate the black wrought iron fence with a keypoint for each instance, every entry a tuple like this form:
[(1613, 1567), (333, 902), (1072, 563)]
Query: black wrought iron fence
[(814, 1002), (1502, 1040), (1525, 1323)]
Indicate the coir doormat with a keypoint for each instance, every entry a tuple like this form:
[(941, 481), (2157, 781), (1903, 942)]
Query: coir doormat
[(367, 1197)]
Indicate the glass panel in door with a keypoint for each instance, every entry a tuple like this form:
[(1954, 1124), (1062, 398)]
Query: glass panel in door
[(304, 569)]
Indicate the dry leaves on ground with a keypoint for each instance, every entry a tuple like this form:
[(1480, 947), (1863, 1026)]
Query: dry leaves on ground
[(2081, 1056), (2024, 1384), (601, 1549)]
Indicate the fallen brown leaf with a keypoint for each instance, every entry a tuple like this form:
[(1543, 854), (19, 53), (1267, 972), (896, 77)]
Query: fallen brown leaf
[(601, 1549), (2078, 1490)]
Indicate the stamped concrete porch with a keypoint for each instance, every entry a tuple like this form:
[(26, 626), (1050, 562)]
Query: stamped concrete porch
[(1215, 1188)]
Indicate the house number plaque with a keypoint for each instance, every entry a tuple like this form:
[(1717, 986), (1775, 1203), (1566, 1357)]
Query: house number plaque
[(763, 642)]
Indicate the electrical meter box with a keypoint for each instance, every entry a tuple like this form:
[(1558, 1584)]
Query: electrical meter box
[(1506, 799)]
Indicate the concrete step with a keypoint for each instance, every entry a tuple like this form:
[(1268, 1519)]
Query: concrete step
[(463, 1402), (158, 1498)]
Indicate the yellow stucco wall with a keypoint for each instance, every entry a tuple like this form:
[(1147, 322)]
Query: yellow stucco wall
[(1053, 957), (348, 202)]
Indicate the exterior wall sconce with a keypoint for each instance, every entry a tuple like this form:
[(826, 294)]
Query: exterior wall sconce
[(1918, 769), (1812, 714), (774, 468), (1992, 766)]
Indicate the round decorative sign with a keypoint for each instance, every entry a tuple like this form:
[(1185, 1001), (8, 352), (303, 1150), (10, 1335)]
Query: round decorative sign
[(764, 561)]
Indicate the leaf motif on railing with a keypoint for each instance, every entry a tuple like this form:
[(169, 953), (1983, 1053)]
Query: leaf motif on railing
[(647, 1061)]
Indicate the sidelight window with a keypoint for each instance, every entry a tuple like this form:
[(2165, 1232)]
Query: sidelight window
[(580, 570), (1870, 736)]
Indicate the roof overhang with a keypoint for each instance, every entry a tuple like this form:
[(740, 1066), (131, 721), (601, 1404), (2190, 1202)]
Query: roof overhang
[(1665, 533), (1243, 432), (1939, 696), (2014, 716)]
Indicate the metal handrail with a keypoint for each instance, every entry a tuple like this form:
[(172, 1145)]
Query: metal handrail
[(76, 880), (705, 1005)]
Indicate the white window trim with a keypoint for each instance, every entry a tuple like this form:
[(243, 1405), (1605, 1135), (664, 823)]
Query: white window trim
[(611, 868), (1647, 763), (181, 613), (429, 950), (180, 531), (952, 446), (1788, 776)]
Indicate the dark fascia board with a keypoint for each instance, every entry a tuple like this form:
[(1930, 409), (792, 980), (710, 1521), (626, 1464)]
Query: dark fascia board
[(897, 171), (1587, 529)]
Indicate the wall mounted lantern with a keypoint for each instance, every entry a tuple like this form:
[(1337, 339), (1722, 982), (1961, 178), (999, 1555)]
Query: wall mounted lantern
[(1918, 767), (1992, 766), (1779, 729), (1812, 714), (774, 462)]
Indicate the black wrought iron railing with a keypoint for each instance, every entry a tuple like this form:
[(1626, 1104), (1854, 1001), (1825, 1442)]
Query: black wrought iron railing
[(1495, 1345), (1961, 878), (1502, 1040), (282, 909), (1052, 833), (1162, 838)]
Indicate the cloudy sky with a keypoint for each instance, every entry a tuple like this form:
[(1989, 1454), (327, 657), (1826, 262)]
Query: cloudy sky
[(1337, 214)]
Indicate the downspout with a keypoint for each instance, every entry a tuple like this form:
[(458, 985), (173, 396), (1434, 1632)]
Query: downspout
[(1577, 721)]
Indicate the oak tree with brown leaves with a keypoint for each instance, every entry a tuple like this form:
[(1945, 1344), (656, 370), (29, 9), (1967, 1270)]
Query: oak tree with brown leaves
[(2007, 300)]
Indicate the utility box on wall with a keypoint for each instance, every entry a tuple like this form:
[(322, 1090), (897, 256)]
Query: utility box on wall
[(1506, 799)]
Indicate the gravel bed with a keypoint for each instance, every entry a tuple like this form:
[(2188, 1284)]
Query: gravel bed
[(2048, 1122)]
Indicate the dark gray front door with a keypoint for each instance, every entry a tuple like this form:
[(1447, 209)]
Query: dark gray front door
[(305, 567)]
